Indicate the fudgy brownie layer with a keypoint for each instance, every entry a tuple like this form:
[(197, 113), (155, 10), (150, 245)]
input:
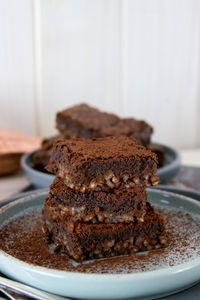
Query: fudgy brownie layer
[(86, 241), (84, 121), (119, 206), (103, 164)]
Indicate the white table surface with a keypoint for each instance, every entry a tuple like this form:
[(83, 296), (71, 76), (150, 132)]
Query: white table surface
[(190, 157)]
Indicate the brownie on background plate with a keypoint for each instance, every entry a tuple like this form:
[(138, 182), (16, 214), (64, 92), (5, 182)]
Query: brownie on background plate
[(84, 121), (41, 157)]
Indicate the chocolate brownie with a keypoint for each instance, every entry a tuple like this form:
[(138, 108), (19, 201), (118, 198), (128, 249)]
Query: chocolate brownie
[(95, 207), (140, 130), (86, 241), (41, 157), (160, 152), (103, 164), (84, 121)]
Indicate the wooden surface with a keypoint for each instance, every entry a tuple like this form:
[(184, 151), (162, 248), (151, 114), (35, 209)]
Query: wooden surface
[(15, 142), (132, 57), (12, 146)]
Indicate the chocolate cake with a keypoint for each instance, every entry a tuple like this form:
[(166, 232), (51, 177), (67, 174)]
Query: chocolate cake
[(86, 241), (84, 121), (95, 207), (103, 164)]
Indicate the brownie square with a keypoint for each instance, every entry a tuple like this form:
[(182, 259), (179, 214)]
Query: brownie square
[(95, 207), (103, 164), (41, 157), (86, 241), (160, 152), (84, 121), (140, 130)]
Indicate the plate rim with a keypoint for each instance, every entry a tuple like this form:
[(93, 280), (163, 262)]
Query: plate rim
[(26, 167)]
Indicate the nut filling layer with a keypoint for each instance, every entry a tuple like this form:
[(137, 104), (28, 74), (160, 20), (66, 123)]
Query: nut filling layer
[(82, 214), (109, 181)]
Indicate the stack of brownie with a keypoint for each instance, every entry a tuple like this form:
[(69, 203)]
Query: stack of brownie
[(97, 205)]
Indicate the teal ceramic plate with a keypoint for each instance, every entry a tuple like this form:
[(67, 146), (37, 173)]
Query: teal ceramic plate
[(41, 179), (37, 178), (172, 164), (162, 280)]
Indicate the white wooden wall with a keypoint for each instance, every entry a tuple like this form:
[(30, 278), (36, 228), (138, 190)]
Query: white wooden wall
[(136, 58)]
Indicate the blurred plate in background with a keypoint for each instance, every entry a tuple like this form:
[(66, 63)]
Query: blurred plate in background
[(37, 178), (171, 166)]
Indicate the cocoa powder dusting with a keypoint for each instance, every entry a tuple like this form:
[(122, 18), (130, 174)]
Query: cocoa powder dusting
[(23, 238)]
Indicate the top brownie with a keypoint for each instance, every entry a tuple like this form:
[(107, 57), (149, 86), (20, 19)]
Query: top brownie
[(103, 164), (84, 121)]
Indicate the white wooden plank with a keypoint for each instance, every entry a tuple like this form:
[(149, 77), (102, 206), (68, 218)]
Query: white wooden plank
[(79, 56), (17, 110), (161, 67), (133, 57)]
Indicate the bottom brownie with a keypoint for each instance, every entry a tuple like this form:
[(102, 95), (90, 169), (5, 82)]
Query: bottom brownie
[(86, 241)]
